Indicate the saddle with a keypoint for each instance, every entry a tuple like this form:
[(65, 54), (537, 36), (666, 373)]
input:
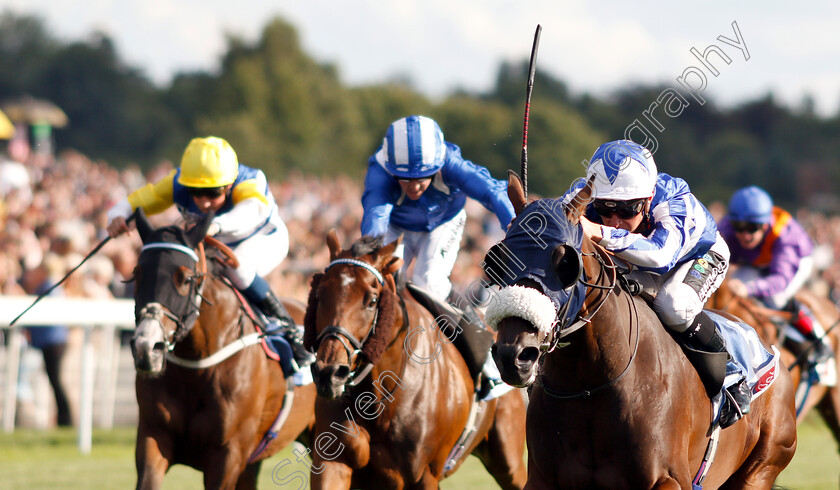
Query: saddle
[(473, 342)]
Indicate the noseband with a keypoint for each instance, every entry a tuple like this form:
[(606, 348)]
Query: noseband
[(157, 311), (352, 346)]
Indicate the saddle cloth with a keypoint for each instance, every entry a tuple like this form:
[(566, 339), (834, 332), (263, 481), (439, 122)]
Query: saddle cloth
[(276, 347), (749, 360)]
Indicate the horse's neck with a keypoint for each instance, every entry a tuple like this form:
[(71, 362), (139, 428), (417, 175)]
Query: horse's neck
[(218, 320), (394, 358)]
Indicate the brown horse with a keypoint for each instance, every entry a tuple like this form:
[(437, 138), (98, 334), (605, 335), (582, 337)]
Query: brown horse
[(395, 396), (825, 398), (207, 395), (614, 401)]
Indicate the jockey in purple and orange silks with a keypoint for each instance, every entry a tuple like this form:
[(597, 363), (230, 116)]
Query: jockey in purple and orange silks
[(774, 254), (211, 178)]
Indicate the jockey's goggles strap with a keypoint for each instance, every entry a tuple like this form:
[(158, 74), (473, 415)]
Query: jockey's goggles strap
[(359, 263), (172, 246)]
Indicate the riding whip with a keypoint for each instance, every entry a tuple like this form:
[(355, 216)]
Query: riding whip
[(532, 68), (91, 254)]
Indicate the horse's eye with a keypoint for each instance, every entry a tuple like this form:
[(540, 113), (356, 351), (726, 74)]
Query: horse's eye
[(373, 301), (182, 279)]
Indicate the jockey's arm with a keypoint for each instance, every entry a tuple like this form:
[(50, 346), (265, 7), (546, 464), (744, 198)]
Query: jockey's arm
[(479, 185), (780, 272), (376, 201), (251, 208), (153, 198), (657, 252)]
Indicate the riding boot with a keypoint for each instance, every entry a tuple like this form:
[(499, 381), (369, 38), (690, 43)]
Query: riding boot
[(702, 335), (263, 298), (803, 322)]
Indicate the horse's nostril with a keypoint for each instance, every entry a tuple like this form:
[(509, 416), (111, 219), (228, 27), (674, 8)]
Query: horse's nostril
[(528, 355), (159, 346), (342, 372)]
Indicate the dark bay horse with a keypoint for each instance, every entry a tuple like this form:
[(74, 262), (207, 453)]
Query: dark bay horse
[(825, 398), (614, 402), (207, 395), (395, 396)]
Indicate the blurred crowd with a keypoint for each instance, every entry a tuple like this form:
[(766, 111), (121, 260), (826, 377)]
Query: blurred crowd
[(54, 210), (53, 213)]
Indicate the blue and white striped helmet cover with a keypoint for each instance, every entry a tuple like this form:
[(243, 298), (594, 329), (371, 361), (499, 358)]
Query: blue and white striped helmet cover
[(414, 147)]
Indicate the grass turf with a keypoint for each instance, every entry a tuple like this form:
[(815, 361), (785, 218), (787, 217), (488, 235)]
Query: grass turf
[(34, 460)]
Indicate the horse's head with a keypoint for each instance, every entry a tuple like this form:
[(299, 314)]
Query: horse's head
[(351, 316), (166, 297), (539, 267)]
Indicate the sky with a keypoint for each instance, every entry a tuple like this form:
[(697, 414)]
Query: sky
[(442, 45)]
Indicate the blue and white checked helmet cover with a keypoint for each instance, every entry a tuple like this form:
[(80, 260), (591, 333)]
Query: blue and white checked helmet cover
[(624, 171), (413, 148)]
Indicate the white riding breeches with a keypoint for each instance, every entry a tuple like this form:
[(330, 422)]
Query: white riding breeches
[(680, 294), (434, 253), (259, 255)]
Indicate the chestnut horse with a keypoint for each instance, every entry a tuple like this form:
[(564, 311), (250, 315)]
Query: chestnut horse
[(394, 395), (614, 402), (825, 398), (207, 395)]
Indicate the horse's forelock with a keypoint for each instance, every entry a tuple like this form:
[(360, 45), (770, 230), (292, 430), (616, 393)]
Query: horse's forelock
[(366, 245), (310, 335), (383, 332)]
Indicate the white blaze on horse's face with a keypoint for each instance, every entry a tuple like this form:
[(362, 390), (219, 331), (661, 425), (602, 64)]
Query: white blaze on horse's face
[(149, 344), (347, 279)]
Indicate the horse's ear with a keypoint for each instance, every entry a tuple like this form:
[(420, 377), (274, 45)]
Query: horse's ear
[(392, 262), (333, 244), (516, 193), (567, 264), (577, 207), (144, 227), (197, 233)]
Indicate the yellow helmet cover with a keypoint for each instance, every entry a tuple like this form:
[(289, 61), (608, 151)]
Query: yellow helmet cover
[(208, 162)]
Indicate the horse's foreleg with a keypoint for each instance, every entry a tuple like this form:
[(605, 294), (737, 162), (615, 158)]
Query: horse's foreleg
[(815, 396), (224, 467), (152, 457), (503, 452), (829, 408), (333, 475), (248, 478)]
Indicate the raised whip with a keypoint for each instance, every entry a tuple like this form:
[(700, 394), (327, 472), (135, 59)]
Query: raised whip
[(532, 68)]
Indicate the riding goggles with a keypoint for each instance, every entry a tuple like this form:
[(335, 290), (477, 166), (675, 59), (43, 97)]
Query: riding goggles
[(746, 226), (422, 180), (622, 209), (208, 192)]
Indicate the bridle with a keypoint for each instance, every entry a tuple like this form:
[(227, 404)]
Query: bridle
[(352, 346), (562, 327), (559, 331), (186, 318)]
